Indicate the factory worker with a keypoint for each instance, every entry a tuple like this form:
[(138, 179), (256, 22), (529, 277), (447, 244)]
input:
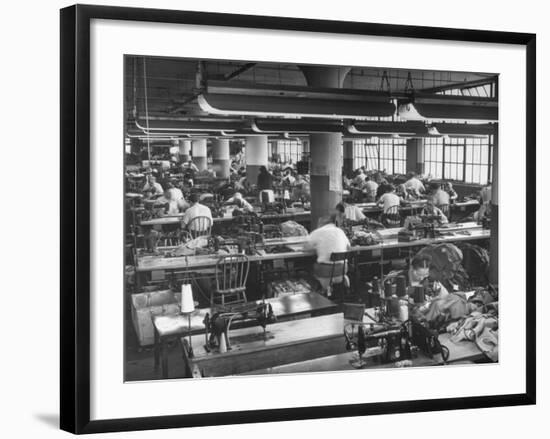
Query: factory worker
[(448, 187), (370, 187), (152, 187), (349, 211), (190, 166), (414, 184), (195, 210), (438, 196), (325, 240), (389, 199), (265, 179), (431, 210), (359, 178), (240, 202)]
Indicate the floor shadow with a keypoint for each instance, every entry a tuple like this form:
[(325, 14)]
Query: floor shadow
[(50, 419)]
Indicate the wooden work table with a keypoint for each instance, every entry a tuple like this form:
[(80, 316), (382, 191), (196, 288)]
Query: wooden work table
[(283, 343), (454, 233), (308, 345), (176, 218), (284, 308), (462, 351), (367, 208)]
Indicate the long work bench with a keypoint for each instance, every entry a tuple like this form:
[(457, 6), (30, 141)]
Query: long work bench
[(369, 209), (457, 233), (314, 344), (459, 352)]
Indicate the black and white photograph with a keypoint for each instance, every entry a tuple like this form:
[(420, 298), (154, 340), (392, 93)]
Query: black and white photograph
[(288, 218)]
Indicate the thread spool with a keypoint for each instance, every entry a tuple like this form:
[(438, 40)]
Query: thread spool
[(400, 286), (223, 344), (187, 303), (403, 310), (388, 289), (419, 294), (375, 286), (393, 307)]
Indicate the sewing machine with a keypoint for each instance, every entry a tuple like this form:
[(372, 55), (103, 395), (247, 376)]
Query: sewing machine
[(283, 343), (218, 325), (385, 341), (417, 230)]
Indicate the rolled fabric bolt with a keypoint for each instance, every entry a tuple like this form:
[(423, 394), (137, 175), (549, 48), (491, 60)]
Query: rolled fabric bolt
[(401, 286), (393, 307), (187, 303), (403, 310), (223, 344), (419, 294)]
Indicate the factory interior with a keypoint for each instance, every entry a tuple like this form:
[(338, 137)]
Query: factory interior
[(286, 218)]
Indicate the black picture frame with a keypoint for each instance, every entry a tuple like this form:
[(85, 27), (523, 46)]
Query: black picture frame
[(75, 217)]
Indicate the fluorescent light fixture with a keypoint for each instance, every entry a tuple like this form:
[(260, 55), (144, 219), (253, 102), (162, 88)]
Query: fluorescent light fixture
[(276, 106)]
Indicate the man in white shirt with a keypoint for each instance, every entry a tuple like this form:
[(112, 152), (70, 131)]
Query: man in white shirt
[(325, 240), (389, 199), (195, 211), (414, 184)]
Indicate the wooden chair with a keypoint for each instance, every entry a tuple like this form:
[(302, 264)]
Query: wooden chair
[(391, 217), (339, 267), (199, 226), (231, 276), (446, 209)]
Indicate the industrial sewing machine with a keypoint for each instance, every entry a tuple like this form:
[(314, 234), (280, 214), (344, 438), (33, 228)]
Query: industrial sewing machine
[(418, 228), (393, 341), (218, 325), (386, 341)]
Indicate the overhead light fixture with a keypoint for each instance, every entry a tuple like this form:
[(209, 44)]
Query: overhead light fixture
[(429, 107), (187, 126), (408, 129), (297, 125), (465, 129), (270, 106)]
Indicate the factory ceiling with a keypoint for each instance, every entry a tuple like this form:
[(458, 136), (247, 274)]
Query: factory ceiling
[(209, 97)]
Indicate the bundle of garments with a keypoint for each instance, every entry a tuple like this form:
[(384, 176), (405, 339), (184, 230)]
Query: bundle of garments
[(474, 319), (292, 228)]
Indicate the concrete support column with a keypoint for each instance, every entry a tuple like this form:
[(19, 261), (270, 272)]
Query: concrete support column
[(326, 174), (256, 156), (348, 158), (326, 149), (220, 157), (414, 156), (493, 243), (185, 150), (199, 152)]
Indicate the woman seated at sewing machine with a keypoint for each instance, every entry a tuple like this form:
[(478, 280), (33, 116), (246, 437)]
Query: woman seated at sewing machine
[(347, 211), (238, 200), (418, 272), (430, 210)]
